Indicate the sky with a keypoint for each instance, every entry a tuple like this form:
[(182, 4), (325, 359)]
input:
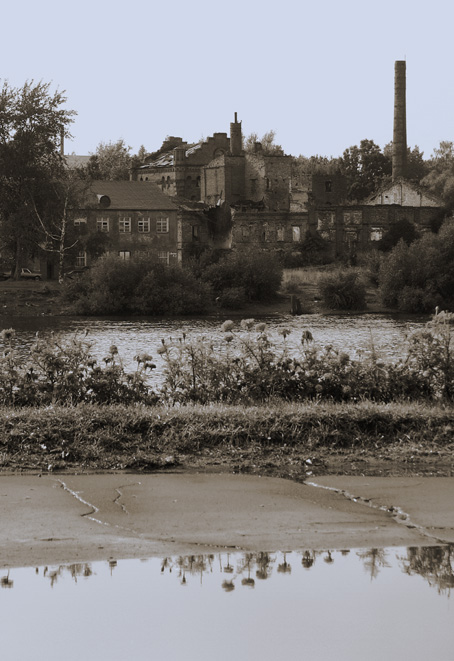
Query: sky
[(320, 74)]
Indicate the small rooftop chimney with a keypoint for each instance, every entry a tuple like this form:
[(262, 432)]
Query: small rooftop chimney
[(399, 158)]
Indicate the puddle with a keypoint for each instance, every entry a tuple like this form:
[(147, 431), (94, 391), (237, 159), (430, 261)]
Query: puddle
[(354, 604)]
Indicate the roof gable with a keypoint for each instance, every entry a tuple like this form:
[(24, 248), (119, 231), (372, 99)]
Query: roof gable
[(130, 195), (404, 193)]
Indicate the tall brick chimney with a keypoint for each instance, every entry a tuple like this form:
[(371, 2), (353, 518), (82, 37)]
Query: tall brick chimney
[(399, 158), (236, 138)]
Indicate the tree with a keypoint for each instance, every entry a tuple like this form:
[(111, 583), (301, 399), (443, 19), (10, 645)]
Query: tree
[(416, 167), (269, 147), (366, 169), (440, 178), (32, 125), (111, 162), (63, 199)]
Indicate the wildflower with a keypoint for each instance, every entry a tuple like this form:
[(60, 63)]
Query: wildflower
[(228, 337), (306, 337), (318, 388), (113, 350), (7, 334), (247, 324), (284, 332), (227, 326), (162, 349), (260, 327), (143, 358)]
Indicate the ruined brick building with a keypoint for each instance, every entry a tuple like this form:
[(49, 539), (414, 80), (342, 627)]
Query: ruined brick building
[(214, 194), (252, 202)]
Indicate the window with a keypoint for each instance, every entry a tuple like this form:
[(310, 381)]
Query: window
[(296, 233), (81, 258), (280, 233), (143, 225), (245, 231), (124, 225), (376, 233), (124, 254), (195, 232), (162, 225), (163, 257), (328, 186), (102, 224), (78, 222)]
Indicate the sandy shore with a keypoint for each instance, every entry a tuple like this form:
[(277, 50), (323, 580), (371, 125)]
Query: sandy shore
[(65, 519)]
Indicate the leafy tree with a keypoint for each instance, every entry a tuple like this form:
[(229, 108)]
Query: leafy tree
[(402, 229), (416, 167), (111, 162), (440, 178), (269, 147), (420, 276), (32, 124), (62, 199), (366, 168)]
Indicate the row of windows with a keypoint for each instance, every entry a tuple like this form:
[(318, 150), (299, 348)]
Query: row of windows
[(81, 257), (375, 234), (125, 225), (280, 233)]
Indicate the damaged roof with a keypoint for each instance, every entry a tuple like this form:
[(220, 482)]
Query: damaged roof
[(167, 158), (130, 195)]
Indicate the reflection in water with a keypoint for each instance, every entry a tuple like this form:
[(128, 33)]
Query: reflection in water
[(359, 604), (433, 563)]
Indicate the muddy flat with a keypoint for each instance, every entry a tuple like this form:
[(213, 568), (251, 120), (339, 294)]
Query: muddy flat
[(67, 519)]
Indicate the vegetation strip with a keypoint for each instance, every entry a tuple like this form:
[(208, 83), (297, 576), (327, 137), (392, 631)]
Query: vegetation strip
[(286, 439)]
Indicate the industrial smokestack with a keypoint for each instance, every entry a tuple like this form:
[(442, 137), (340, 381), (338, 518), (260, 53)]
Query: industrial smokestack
[(400, 121)]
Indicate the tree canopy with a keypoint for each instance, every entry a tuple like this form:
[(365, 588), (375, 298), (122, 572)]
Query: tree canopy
[(33, 123), (269, 147)]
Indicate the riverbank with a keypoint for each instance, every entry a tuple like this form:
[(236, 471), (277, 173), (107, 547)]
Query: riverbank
[(290, 440), (26, 298)]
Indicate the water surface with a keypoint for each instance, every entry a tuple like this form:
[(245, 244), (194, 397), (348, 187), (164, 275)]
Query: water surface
[(352, 604)]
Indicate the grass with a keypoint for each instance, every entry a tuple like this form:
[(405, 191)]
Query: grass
[(274, 439)]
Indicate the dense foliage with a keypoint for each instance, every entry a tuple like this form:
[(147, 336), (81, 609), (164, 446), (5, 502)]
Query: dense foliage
[(247, 367), (419, 277), (343, 290), (114, 286), (243, 277)]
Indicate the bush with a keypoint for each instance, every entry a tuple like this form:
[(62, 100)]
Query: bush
[(114, 286), (259, 275), (420, 277), (57, 372), (342, 290)]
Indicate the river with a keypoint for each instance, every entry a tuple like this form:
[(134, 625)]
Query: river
[(354, 334)]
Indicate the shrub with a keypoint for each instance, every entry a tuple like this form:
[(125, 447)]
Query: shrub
[(259, 275), (342, 290), (114, 286), (65, 372), (420, 277)]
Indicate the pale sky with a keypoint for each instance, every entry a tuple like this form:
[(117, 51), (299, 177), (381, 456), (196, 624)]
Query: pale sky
[(320, 74)]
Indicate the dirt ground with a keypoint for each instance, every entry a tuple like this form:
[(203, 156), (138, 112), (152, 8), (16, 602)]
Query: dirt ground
[(63, 519)]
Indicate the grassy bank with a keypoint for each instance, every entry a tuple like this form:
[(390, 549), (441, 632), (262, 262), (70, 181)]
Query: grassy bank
[(289, 440)]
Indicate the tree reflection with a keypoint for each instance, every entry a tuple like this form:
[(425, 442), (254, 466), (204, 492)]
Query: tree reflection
[(373, 561), (264, 562), (75, 570), (434, 563)]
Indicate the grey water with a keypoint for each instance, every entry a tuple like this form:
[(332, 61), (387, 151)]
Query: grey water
[(357, 335), (327, 605)]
